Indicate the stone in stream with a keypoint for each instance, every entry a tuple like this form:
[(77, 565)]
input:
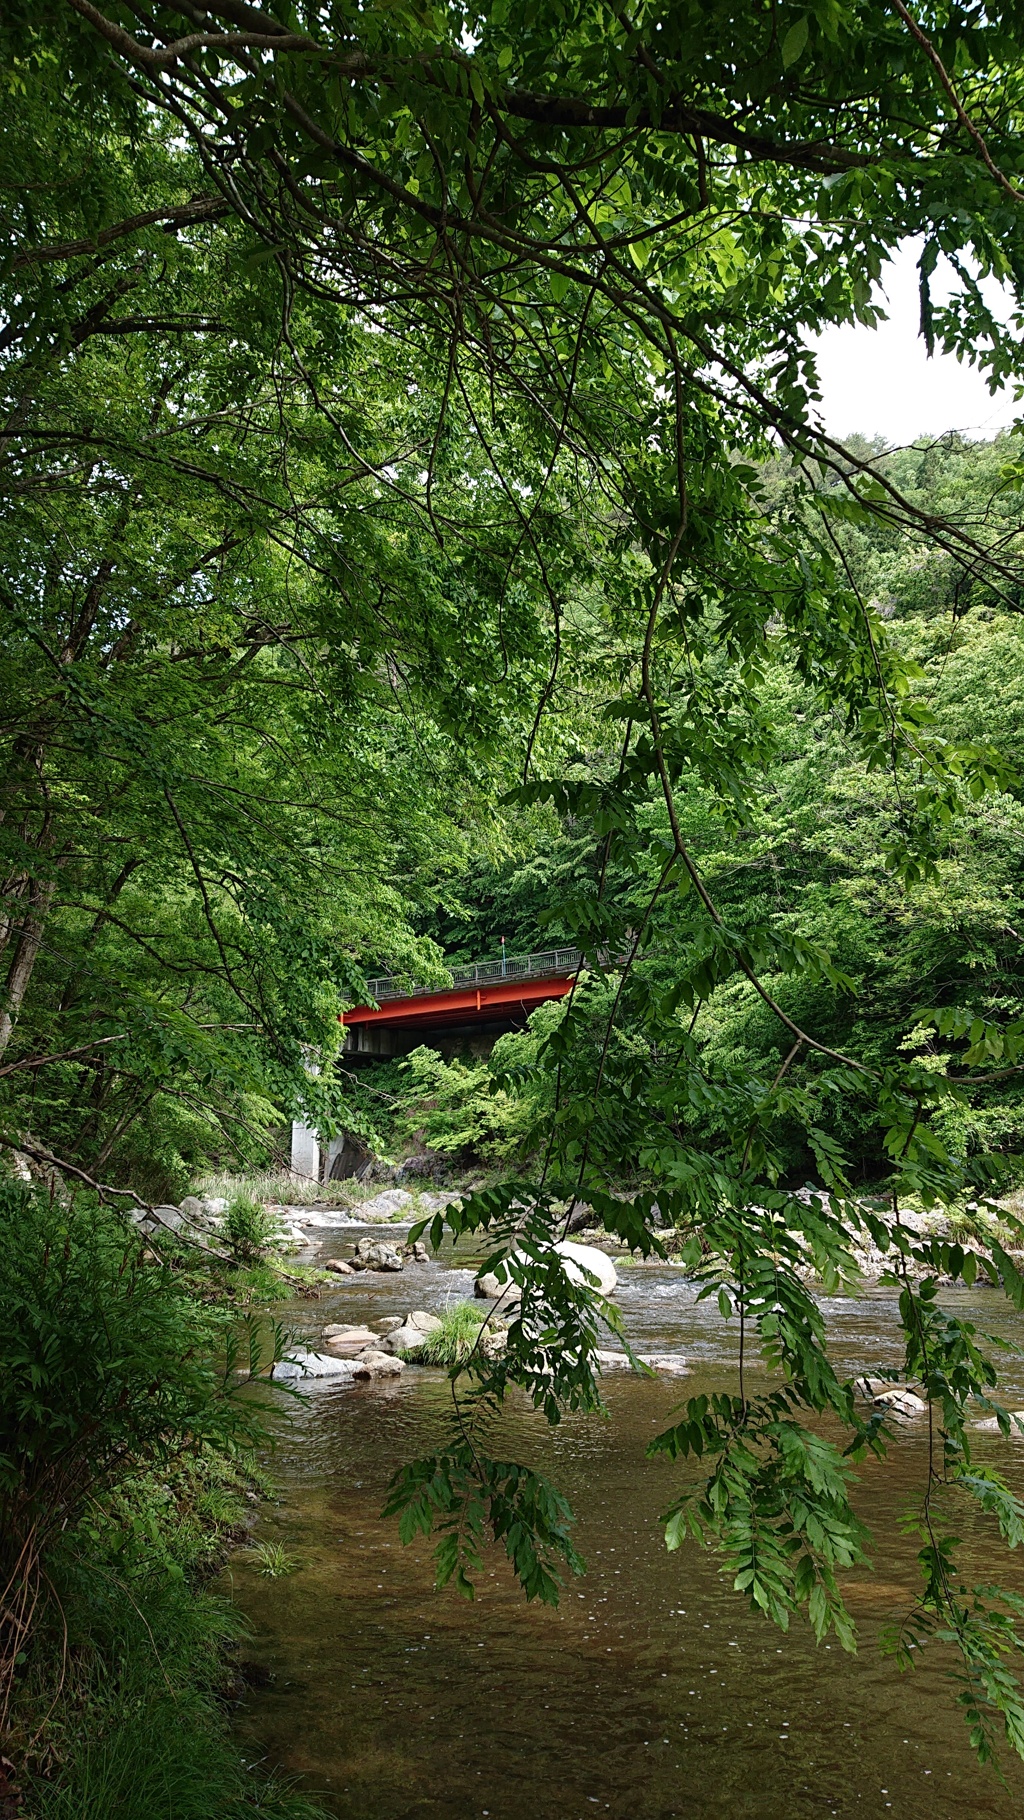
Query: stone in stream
[(305, 1364), (581, 1264), (427, 1323), (377, 1254), (899, 1402), (421, 1252), (388, 1324), (670, 1364), (339, 1266), (402, 1339), (991, 1424), (377, 1365), (349, 1345)]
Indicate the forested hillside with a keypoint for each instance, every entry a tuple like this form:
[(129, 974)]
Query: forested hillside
[(811, 855)]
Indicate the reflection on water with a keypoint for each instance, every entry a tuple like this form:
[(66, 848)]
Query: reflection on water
[(652, 1692)]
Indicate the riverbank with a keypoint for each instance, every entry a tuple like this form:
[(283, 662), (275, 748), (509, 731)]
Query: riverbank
[(133, 1433)]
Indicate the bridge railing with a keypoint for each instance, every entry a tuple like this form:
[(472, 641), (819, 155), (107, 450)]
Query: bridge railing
[(513, 967)]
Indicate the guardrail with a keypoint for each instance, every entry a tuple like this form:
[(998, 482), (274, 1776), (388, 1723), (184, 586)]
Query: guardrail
[(513, 966)]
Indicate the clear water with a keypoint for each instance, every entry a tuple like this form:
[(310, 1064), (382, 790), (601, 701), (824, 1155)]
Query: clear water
[(652, 1692)]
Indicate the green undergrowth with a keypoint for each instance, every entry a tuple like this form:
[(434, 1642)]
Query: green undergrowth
[(452, 1342), (131, 1429)]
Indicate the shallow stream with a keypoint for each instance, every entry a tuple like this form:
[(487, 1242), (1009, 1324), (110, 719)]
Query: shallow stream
[(652, 1692)]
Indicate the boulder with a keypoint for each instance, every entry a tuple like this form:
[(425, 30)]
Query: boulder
[(900, 1402), (305, 1364), (193, 1208), (377, 1365), (427, 1323), (384, 1206), (168, 1217), (339, 1266), (388, 1324), (667, 1364), (377, 1254), (502, 1293), (581, 1262), (671, 1364), (402, 1339)]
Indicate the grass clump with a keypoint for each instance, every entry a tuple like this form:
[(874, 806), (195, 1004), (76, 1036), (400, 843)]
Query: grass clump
[(452, 1342), (273, 1562)]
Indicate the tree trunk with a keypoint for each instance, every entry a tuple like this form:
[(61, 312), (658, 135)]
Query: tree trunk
[(24, 960)]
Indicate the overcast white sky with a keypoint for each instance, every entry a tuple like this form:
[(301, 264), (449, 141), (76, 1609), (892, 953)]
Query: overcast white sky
[(881, 382)]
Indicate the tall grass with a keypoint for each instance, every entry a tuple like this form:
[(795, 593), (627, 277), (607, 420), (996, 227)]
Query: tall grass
[(452, 1342), (281, 1188)]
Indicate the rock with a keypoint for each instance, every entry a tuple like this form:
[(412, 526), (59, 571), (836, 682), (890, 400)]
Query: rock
[(493, 1341), (350, 1345), (671, 1363), (168, 1217), (339, 1266), (377, 1365), (402, 1339), (582, 1262), (193, 1208), (503, 1293), (899, 1402), (305, 1364), (991, 1424), (383, 1206), (388, 1324), (377, 1254), (427, 1323), (421, 1252)]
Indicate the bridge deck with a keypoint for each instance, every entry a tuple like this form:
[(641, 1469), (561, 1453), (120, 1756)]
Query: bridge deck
[(518, 983)]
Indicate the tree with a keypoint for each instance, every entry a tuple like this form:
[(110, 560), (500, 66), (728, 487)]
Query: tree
[(598, 241)]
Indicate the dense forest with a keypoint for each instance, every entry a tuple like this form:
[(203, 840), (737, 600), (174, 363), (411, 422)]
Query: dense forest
[(419, 530)]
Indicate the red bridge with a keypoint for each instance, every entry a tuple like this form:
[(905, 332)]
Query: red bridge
[(481, 1000)]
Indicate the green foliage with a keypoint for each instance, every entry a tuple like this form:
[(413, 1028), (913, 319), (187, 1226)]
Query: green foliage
[(273, 1560), (248, 1227), (452, 1342), (126, 1457), (471, 1499), (415, 409)]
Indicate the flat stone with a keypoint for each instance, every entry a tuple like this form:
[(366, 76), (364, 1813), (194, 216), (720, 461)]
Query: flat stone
[(388, 1324), (427, 1323), (314, 1365), (339, 1266), (377, 1365)]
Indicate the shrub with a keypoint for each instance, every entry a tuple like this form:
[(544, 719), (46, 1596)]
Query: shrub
[(111, 1363), (248, 1227)]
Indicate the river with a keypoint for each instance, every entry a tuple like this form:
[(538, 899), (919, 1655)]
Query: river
[(652, 1692)]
